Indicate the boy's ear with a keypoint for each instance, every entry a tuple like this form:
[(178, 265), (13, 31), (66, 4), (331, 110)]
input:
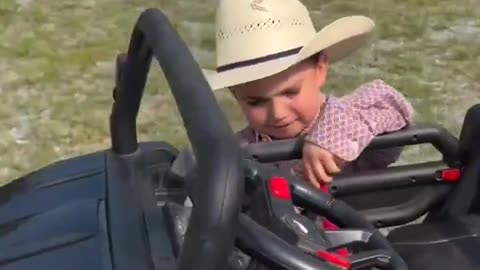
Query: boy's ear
[(321, 67), (322, 61), (232, 92)]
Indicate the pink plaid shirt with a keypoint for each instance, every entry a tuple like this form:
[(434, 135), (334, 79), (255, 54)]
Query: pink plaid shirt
[(345, 126)]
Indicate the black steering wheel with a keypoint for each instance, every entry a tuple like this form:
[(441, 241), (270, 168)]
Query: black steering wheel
[(213, 222), (235, 198), (274, 233)]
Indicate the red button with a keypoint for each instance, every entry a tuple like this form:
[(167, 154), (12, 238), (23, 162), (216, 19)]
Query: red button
[(328, 225), (450, 175), (279, 188), (334, 259), (324, 188)]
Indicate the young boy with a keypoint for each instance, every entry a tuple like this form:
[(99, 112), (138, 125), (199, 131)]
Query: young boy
[(275, 64)]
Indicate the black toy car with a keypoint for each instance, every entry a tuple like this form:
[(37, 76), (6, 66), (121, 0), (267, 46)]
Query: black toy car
[(128, 207)]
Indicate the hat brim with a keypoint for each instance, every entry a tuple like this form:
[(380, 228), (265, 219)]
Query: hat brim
[(338, 40)]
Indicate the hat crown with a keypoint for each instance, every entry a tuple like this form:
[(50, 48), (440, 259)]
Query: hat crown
[(250, 29)]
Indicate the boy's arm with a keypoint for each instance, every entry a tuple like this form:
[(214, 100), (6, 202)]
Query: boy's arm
[(348, 124)]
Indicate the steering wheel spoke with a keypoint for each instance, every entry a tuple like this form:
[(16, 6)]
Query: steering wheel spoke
[(372, 259), (347, 238)]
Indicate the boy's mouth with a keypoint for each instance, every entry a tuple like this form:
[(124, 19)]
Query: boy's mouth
[(282, 125)]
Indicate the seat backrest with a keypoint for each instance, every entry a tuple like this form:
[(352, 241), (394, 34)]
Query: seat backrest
[(469, 137), (465, 197)]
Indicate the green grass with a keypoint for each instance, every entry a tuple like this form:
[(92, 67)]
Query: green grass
[(56, 68)]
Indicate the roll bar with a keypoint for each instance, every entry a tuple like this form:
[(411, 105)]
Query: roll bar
[(384, 179), (436, 135)]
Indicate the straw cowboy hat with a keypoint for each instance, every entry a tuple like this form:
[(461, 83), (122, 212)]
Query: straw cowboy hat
[(259, 38)]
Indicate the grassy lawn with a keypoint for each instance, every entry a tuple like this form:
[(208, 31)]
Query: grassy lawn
[(56, 68)]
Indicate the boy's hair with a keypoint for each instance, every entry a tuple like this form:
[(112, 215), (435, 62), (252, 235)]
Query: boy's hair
[(314, 58)]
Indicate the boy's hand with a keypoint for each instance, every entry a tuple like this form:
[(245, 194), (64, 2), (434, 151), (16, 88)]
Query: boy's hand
[(319, 164)]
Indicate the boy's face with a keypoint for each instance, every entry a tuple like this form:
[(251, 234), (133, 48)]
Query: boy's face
[(283, 105)]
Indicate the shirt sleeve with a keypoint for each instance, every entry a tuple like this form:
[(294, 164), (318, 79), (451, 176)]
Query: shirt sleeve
[(348, 124)]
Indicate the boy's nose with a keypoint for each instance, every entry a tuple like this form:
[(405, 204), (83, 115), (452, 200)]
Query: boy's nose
[(278, 111)]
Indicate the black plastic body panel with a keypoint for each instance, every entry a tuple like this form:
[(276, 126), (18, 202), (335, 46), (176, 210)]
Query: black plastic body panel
[(63, 215), (55, 217)]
